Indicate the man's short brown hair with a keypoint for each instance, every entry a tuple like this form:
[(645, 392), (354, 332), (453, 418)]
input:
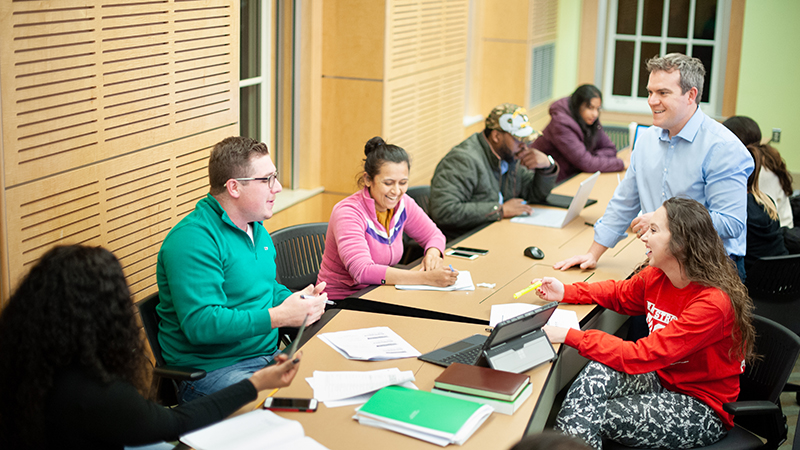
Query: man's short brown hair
[(691, 71), (230, 158)]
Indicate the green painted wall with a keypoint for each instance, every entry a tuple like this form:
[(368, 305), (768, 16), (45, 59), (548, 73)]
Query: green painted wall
[(567, 44), (769, 74)]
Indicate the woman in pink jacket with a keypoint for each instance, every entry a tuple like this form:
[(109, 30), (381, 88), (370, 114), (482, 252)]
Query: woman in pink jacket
[(665, 390), (365, 233), (575, 138)]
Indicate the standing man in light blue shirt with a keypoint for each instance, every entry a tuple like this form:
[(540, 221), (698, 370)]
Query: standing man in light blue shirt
[(684, 154)]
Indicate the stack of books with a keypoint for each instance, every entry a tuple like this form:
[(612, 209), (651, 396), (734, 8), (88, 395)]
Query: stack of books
[(422, 415), (503, 391)]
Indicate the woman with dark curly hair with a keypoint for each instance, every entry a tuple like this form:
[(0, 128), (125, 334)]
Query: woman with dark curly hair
[(665, 390), (72, 363)]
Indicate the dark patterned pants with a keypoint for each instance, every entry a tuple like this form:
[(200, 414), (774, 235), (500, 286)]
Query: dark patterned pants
[(636, 411)]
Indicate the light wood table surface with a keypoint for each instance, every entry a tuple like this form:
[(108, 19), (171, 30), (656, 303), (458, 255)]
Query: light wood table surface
[(336, 429), (505, 266), (511, 271)]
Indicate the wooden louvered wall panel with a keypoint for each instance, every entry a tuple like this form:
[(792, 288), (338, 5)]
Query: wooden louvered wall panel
[(109, 111), (423, 114), (126, 204), (94, 79), (425, 80), (421, 35), (543, 19)]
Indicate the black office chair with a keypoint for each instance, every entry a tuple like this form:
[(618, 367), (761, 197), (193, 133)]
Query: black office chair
[(299, 249), (421, 195), (411, 249), (774, 285), (167, 392), (776, 278), (757, 412)]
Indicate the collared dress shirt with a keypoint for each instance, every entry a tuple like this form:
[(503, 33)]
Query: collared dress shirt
[(704, 162)]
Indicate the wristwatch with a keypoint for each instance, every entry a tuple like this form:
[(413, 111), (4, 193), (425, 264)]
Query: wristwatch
[(552, 167)]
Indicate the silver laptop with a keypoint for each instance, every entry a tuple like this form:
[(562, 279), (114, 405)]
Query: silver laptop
[(558, 218), (515, 345)]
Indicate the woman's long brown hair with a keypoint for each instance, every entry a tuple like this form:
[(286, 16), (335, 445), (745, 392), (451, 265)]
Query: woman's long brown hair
[(699, 250)]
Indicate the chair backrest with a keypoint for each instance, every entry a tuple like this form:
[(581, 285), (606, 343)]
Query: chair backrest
[(774, 278), (150, 321), (421, 195), (778, 348), (764, 379), (299, 251), (774, 285)]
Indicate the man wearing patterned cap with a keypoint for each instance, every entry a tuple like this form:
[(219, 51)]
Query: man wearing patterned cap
[(491, 175)]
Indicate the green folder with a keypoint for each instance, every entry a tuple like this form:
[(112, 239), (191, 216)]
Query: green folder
[(420, 414)]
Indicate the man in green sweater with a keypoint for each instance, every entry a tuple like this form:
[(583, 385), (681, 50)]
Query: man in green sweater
[(220, 305), (491, 175)]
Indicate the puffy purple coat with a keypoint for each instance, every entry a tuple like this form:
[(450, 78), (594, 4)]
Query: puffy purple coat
[(562, 138)]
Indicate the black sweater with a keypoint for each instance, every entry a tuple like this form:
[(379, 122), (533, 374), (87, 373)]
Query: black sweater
[(764, 237), (84, 413)]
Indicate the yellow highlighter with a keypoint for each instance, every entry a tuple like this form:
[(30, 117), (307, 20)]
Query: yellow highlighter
[(532, 287)]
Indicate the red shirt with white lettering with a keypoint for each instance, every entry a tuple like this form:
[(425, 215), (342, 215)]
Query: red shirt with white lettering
[(690, 340)]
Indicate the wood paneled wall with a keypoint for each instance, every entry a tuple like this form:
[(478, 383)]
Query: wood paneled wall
[(395, 69), (109, 111), (425, 80)]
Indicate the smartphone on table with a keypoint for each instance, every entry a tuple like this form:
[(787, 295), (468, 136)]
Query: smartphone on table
[(477, 251), (290, 404), (458, 254)]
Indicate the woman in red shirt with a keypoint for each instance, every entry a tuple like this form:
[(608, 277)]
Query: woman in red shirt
[(665, 390)]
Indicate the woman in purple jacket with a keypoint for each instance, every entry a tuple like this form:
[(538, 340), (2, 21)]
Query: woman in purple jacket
[(575, 138)]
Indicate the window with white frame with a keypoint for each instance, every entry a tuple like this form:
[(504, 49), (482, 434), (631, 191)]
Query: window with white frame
[(254, 72), (638, 30)]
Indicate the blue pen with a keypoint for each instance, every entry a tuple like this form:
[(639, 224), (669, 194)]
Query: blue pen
[(451, 268)]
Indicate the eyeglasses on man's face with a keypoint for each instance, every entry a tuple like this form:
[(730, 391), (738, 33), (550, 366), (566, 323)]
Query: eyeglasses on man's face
[(270, 180)]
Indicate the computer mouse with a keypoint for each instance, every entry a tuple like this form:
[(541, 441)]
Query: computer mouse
[(534, 252)]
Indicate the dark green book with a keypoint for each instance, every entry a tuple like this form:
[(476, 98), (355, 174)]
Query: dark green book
[(434, 418)]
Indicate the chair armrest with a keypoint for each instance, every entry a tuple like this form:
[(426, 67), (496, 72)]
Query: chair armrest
[(179, 373), (761, 417), (750, 407)]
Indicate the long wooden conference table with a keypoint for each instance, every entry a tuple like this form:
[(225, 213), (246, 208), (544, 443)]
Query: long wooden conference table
[(468, 313)]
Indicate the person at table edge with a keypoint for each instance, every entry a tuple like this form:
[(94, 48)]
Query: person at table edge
[(365, 233), (220, 304), (685, 153), (491, 175)]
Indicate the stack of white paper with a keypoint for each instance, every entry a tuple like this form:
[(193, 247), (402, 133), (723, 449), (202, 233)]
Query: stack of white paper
[(560, 318), (350, 388), (369, 344), (463, 283), (254, 430)]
